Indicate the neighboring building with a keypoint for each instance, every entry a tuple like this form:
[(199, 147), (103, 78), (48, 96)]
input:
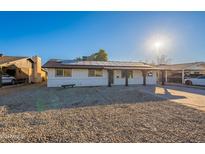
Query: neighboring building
[(39, 74), (98, 73), (176, 73), (23, 68)]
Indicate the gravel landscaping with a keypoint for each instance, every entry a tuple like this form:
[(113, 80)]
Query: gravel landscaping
[(35, 113)]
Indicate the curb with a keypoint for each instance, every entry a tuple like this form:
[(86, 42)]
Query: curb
[(12, 86)]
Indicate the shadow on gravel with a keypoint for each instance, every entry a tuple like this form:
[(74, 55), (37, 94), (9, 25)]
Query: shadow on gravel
[(40, 98)]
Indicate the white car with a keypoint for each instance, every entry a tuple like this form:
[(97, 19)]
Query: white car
[(7, 79), (196, 81)]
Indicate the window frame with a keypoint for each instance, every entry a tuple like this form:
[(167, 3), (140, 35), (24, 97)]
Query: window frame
[(56, 70), (94, 73), (63, 75), (130, 74), (70, 72)]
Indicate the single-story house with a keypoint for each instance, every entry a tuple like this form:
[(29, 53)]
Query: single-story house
[(177, 73), (98, 73), (23, 68)]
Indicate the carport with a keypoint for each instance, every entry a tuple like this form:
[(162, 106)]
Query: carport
[(15, 66), (176, 73), (10, 70), (14, 71)]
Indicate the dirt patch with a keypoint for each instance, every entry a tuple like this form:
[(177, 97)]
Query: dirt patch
[(145, 122), (41, 98), (99, 114)]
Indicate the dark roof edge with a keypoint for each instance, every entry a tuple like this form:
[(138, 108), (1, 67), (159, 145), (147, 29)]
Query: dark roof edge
[(99, 67)]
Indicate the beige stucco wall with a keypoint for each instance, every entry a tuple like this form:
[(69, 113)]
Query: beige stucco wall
[(39, 74), (37, 69), (44, 75)]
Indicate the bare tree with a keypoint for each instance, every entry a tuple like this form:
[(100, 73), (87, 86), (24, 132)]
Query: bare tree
[(163, 59)]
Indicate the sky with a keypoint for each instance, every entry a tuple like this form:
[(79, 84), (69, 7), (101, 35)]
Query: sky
[(126, 36)]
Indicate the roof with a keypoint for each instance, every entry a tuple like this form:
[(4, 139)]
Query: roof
[(182, 66), (54, 63), (7, 59), (132, 68)]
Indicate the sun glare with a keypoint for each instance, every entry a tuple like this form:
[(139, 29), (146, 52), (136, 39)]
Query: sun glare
[(158, 44)]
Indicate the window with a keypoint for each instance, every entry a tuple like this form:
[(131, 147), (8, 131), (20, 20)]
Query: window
[(67, 72), (63, 72), (95, 73), (129, 73), (123, 74), (91, 73), (98, 73), (59, 72)]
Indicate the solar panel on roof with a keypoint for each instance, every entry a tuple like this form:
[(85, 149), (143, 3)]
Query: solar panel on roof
[(100, 63)]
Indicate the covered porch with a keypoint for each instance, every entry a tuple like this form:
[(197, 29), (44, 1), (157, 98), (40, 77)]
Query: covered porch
[(131, 76)]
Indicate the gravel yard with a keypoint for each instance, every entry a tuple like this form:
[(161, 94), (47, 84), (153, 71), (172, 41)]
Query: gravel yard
[(35, 113)]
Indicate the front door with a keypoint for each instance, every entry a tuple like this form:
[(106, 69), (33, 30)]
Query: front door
[(110, 77)]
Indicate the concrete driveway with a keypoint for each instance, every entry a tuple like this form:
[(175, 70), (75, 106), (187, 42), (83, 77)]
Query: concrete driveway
[(191, 97)]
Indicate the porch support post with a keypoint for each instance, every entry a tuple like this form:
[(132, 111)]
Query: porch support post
[(144, 74), (126, 78), (109, 78), (166, 76), (1, 76), (182, 76), (163, 77)]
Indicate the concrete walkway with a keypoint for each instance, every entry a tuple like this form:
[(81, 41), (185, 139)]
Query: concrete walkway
[(191, 97)]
